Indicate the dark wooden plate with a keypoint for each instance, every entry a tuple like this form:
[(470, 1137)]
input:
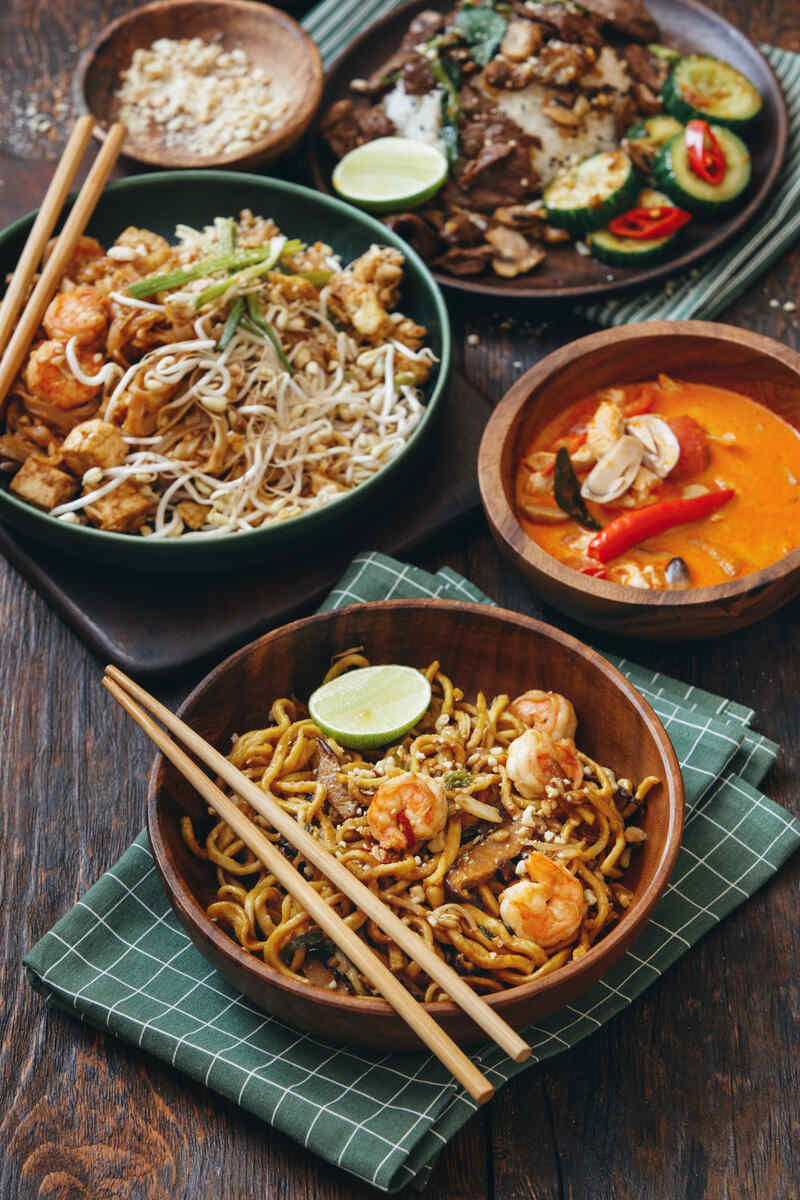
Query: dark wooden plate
[(481, 648), (684, 24)]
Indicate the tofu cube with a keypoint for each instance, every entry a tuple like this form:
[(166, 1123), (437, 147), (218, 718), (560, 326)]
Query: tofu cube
[(193, 515), (122, 510), (93, 443), (42, 484)]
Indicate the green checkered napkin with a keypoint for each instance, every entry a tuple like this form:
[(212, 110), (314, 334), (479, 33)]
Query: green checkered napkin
[(120, 960), (702, 292)]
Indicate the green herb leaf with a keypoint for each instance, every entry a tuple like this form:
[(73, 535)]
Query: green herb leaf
[(568, 493), (664, 52), (312, 939), (456, 779), (483, 29)]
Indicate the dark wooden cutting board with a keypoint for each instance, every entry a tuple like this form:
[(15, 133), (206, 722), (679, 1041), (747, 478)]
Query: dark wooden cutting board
[(160, 625)]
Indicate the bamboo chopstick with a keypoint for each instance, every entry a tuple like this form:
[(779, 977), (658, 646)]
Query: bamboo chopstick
[(62, 252), (456, 987), (348, 941), (43, 226)]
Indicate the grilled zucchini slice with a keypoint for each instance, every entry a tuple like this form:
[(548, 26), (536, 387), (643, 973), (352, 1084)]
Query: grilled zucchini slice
[(702, 86), (673, 174), (590, 194)]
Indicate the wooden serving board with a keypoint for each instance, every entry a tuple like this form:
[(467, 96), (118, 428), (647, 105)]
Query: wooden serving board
[(158, 625)]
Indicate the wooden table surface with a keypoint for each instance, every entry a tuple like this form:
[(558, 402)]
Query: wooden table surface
[(691, 1092)]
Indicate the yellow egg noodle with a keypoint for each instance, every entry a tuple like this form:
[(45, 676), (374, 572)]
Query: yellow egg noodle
[(485, 829)]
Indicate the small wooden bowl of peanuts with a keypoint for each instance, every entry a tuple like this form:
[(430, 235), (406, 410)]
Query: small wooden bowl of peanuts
[(202, 83)]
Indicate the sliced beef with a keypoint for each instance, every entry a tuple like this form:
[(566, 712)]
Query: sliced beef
[(329, 773), (628, 16), (490, 154), (647, 101), (346, 126), (570, 24), (416, 231), (424, 26), (645, 67), (418, 78), (465, 260), (464, 229), (495, 164), (481, 858)]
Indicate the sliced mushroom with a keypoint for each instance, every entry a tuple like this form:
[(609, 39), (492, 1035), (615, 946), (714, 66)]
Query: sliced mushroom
[(615, 472), (660, 445), (515, 253), (527, 218), (542, 512), (336, 791), (561, 116)]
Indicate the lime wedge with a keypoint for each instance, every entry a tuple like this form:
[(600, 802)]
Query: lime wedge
[(390, 174), (370, 706)]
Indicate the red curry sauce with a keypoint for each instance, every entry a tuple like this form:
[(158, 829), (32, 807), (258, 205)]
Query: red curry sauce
[(726, 440)]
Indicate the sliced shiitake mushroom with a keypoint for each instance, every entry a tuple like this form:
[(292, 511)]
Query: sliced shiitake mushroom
[(515, 254)]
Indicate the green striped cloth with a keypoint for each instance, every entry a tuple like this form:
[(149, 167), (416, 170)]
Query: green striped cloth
[(120, 961), (702, 292)]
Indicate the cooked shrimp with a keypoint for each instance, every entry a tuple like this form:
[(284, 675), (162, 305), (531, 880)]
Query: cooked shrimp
[(547, 908), (80, 313), (150, 249), (406, 809), (47, 375), (549, 711), (535, 759)]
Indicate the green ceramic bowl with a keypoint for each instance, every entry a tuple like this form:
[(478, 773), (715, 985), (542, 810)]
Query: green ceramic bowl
[(160, 202)]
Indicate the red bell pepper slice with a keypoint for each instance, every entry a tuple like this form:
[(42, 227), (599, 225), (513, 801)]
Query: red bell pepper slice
[(706, 156), (654, 221), (634, 527)]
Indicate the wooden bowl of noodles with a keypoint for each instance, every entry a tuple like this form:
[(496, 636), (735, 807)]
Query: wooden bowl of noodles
[(481, 649)]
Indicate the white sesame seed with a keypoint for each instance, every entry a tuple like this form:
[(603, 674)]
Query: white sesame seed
[(472, 339), (789, 306)]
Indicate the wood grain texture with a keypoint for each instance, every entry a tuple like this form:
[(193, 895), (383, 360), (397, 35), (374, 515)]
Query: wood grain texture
[(272, 41), (692, 1092)]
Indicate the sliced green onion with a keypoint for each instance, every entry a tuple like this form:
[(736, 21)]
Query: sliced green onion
[(255, 320), (173, 279), (218, 289), (230, 326), (228, 239)]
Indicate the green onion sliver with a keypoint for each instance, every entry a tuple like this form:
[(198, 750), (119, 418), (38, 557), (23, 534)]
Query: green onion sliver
[(254, 318), (231, 323), (173, 279)]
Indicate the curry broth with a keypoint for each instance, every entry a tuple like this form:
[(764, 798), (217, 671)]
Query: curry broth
[(758, 526)]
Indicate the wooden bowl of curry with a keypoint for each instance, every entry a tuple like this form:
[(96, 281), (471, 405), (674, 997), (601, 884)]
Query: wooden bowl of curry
[(748, 471), (482, 649)]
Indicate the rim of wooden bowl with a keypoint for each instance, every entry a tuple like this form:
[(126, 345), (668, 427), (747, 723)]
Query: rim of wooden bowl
[(267, 148), (503, 426), (628, 927)]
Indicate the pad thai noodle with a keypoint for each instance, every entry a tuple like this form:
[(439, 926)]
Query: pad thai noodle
[(238, 378)]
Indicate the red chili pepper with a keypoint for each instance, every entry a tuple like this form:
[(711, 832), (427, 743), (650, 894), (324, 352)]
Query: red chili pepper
[(655, 221), (404, 825), (596, 572), (638, 526), (706, 156)]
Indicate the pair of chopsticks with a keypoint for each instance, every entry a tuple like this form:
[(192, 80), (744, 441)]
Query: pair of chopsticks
[(126, 692), (15, 338)]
